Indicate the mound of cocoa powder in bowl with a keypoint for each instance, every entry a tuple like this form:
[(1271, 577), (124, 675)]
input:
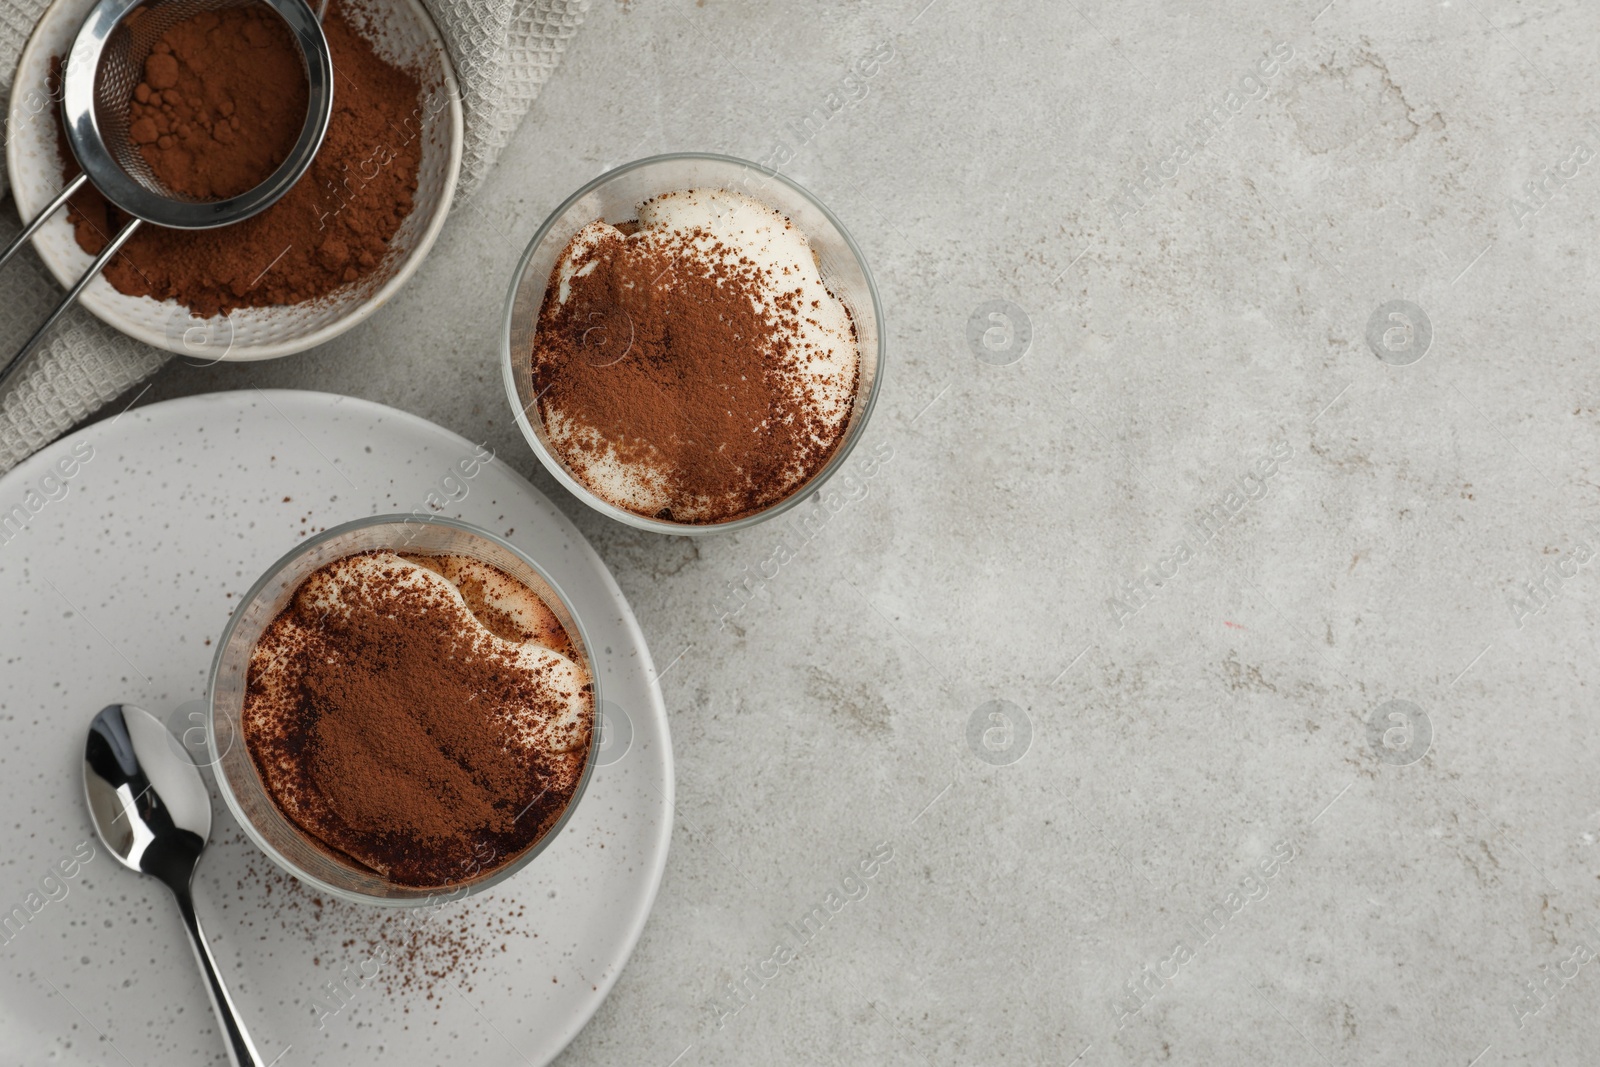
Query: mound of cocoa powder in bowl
[(219, 99)]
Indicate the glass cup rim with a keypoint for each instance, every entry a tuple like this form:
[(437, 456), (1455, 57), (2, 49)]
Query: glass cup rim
[(558, 470), (432, 895)]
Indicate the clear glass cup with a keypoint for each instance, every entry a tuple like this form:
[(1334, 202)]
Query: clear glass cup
[(240, 783), (615, 196)]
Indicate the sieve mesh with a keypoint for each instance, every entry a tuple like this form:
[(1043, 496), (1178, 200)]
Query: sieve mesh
[(120, 71)]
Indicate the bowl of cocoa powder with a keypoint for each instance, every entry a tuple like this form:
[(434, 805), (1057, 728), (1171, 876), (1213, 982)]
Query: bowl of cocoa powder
[(693, 344), (222, 97), (403, 708)]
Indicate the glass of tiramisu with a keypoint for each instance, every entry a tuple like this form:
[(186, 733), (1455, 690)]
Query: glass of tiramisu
[(403, 710), (692, 344)]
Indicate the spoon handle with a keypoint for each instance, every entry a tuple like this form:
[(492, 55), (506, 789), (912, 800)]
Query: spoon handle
[(241, 1050)]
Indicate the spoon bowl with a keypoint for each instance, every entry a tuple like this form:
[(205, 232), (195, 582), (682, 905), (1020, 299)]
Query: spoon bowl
[(152, 811)]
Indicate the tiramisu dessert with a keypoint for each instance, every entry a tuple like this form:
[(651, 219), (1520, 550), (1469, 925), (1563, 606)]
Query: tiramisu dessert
[(691, 365), (425, 718)]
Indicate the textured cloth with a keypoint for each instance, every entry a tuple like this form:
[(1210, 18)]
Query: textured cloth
[(502, 52)]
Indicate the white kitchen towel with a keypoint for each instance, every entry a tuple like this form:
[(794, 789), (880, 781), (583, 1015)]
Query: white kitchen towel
[(502, 51)]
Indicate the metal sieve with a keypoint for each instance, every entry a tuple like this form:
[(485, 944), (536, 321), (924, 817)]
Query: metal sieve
[(104, 66)]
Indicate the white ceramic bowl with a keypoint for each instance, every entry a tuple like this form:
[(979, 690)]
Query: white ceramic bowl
[(402, 33)]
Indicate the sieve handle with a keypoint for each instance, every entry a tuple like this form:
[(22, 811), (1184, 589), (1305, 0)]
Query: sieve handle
[(88, 276), (39, 219)]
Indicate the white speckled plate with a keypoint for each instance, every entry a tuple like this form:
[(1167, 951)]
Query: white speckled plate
[(122, 550)]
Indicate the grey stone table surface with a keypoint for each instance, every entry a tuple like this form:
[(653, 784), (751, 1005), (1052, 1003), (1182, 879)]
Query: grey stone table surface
[(1208, 652)]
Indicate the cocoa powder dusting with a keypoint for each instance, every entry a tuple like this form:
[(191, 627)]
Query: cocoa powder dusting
[(223, 100), (663, 354), (393, 750)]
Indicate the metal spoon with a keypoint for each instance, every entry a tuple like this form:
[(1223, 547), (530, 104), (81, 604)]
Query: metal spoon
[(152, 810)]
